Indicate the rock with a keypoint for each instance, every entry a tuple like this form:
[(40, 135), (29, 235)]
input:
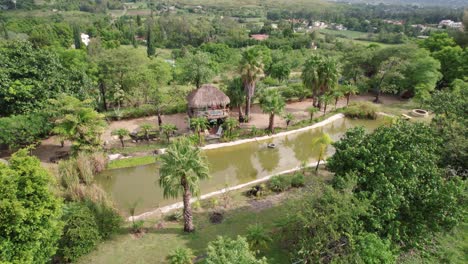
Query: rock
[(115, 156)]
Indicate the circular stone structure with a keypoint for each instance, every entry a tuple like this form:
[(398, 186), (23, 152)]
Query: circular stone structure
[(419, 113), (271, 145)]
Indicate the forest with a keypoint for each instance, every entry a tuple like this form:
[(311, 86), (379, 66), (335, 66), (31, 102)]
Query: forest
[(254, 131)]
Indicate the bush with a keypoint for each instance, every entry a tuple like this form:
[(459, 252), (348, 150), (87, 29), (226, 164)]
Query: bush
[(107, 218), (86, 168), (181, 256), (80, 234), (279, 183), (68, 173), (176, 216), (23, 130), (297, 180), (142, 111), (296, 90), (362, 110), (268, 81)]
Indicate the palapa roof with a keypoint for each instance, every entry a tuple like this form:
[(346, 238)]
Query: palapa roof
[(206, 96)]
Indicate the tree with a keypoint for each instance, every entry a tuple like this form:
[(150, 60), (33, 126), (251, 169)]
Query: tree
[(146, 128), (321, 75), (229, 124), (182, 168), (272, 103), (312, 110), (23, 130), (251, 69), (288, 117), (78, 122), (333, 219), (280, 70), (349, 90), (226, 250), (168, 130), (196, 68), (30, 213), (322, 142), (199, 124), (121, 133), (236, 94), (410, 197), (326, 99), (437, 41), (181, 256), (150, 48), (77, 37), (452, 63), (388, 77), (336, 93)]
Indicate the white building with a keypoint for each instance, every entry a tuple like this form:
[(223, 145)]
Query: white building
[(449, 23), (85, 39)]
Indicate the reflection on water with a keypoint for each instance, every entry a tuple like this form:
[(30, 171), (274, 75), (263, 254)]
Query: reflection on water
[(229, 166)]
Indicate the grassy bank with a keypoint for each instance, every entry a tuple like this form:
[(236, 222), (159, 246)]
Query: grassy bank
[(131, 162), (242, 211)]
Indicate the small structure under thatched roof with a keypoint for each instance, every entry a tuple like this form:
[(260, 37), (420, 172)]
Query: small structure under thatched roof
[(208, 101)]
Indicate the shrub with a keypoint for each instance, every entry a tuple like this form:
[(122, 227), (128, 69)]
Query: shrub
[(80, 234), (216, 217), (107, 218), (99, 161), (296, 90), (181, 256), (257, 236), (175, 216), (279, 183), (86, 168), (137, 226), (362, 110), (226, 250), (269, 81), (297, 180), (23, 130), (142, 111), (68, 173)]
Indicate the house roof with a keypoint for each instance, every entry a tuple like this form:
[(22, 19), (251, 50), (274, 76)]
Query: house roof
[(206, 96), (259, 36)]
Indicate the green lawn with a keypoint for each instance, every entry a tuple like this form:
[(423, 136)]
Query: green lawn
[(347, 33)]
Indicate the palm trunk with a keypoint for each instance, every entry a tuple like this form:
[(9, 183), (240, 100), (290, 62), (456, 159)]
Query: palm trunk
[(247, 106), (325, 108), (347, 99), (318, 163), (159, 119), (188, 218), (271, 125), (241, 114), (336, 102), (122, 142)]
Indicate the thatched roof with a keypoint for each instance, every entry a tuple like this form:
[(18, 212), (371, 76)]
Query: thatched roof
[(207, 96)]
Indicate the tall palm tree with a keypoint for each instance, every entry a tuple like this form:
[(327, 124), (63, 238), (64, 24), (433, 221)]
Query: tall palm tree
[(121, 133), (349, 90), (323, 141), (235, 92), (182, 168), (251, 69), (326, 99), (199, 124), (336, 93), (329, 75), (311, 77), (272, 103)]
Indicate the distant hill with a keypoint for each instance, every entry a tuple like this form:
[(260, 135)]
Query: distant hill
[(449, 3)]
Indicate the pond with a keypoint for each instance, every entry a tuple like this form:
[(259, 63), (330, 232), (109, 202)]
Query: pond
[(229, 166)]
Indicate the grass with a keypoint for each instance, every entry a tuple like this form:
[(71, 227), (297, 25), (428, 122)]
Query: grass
[(131, 162), (141, 147), (347, 33), (156, 244)]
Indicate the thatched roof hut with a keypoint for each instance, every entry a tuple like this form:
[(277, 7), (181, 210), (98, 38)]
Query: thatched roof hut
[(208, 101), (207, 96)]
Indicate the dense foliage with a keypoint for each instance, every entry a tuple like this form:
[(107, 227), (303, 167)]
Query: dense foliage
[(30, 212)]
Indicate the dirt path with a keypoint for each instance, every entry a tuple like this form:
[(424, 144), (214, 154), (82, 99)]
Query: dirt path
[(50, 147)]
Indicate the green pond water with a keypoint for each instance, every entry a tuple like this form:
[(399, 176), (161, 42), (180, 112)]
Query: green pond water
[(229, 166)]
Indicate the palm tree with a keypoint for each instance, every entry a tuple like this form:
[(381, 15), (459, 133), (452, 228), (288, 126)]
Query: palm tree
[(288, 117), (146, 128), (251, 68), (349, 90), (272, 103), (329, 75), (336, 94), (182, 168), (168, 130), (257, 236), (235, 92), (311, 77), (121, 133), (312, 110), (199, 124), (323, 141), (229, 124), (326, 99)]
